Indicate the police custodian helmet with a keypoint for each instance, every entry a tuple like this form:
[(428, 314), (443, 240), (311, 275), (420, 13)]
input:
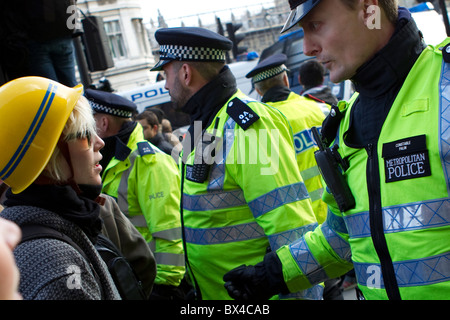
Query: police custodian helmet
[(190, 44), (299, 9), (110, 103)]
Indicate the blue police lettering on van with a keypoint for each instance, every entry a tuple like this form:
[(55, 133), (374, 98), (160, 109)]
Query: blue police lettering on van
[(303, 141), (148, 94)]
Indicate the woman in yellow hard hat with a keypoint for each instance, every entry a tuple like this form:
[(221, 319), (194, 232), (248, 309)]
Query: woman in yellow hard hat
[(50, 160)]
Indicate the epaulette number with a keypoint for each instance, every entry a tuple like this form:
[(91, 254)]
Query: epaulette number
[(245, 116), (241, 113)]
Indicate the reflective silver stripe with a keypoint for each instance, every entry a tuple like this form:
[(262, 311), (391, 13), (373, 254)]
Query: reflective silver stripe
[(122, 192), (335, 222), (172, 259), (280, 239), (413, 216), (214, 200), (316, 194), (277, 198), (152, 245), (310, 173), (339, 245), (240, 232), (417, 272), (306, 262), (313, 293), (139, 221), (217, 175), (444, 107), (169, 234)]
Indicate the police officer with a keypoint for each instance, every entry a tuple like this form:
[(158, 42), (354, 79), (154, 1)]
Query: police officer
[(241, 193), (271, 81), (145, 183), (392, 133)]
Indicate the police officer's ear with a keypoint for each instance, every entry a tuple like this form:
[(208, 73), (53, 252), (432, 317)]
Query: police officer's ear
[(187, 74), (192, 77), (102, 124), (369, 10), (285, 79)]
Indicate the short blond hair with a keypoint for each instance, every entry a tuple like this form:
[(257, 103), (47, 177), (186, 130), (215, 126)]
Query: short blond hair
[(81, 123)]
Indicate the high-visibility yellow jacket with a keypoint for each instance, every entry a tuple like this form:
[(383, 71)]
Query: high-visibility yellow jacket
[(303, 114), (146, 186), (252, 200), (397, 235)]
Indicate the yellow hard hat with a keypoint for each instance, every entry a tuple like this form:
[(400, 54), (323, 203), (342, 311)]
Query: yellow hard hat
[(33, 112)]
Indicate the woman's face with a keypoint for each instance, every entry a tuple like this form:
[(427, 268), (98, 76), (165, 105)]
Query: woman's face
[(9, 273), (85, 157)]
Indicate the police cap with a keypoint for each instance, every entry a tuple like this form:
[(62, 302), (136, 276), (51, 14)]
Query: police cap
[(190, 44), (110, 103), (299, 9), (268, 68)]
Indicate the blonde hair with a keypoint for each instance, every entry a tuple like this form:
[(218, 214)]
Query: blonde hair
[(81, 124)]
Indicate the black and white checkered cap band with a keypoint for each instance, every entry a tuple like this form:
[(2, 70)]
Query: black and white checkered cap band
[(115, 112), (269, 73), (185, 53)]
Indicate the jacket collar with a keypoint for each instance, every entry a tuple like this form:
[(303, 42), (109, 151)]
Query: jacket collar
[(120, 145), (276, 94), (204, 105)]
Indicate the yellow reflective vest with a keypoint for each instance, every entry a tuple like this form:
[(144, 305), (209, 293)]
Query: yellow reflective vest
[(397, 235), (303, 114), (146, 186), (252, 200)]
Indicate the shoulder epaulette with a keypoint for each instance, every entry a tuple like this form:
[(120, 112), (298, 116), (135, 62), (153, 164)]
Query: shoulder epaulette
[(145, 148), (446, 53), (241, 113)]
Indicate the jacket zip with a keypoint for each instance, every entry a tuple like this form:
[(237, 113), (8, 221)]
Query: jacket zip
[(377, 226)]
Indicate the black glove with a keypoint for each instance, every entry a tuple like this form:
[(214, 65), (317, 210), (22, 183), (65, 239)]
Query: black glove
[(258, 282)]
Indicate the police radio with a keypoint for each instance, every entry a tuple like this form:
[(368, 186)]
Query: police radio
[(331, 166), (204, 156)]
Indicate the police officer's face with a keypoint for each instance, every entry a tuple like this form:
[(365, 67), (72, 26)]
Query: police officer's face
[(339, 37), (149, 130), (178, 92)]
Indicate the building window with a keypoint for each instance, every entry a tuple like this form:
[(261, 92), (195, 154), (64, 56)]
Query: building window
[(115, 39), (142, 37)]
